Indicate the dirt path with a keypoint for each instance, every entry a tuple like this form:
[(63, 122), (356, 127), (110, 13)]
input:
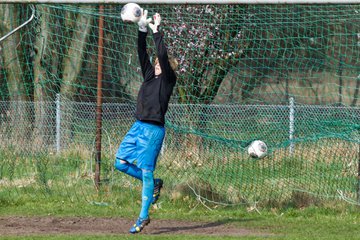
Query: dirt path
[(112, 226)]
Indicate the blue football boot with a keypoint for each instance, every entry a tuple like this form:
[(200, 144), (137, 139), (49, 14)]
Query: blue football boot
[(139, 225), (158, 184)]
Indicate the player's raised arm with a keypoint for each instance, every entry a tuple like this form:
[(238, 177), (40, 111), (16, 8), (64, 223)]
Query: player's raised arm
[(161, 49), (146, 68)]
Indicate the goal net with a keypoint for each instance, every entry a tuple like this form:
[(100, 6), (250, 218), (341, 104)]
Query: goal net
[(288, 75)]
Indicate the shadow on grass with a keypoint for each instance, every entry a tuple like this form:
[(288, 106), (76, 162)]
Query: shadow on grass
[(210, 228)]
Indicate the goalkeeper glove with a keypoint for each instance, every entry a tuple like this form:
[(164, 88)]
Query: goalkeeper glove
[(144, 21), (155, 27)]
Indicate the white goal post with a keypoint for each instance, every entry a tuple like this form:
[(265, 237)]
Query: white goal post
[(190, 1)]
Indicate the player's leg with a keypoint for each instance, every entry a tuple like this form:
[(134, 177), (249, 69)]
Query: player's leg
[(147, 195), (147, 192), (148, 148), (148, 154), (128, 168), (127, 154)]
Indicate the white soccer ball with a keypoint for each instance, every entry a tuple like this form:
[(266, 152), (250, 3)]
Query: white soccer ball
[(257, 149), (131, 12)]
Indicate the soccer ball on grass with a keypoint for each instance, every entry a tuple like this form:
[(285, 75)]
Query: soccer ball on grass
[(257, 149), (131, 12)]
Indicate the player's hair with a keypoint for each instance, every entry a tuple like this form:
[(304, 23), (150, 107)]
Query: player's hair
[(172, 60)]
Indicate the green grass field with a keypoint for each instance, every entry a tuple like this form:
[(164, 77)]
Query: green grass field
[(62, 187), (325, 221)]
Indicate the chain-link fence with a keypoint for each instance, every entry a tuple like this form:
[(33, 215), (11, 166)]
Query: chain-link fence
[(312, 149)]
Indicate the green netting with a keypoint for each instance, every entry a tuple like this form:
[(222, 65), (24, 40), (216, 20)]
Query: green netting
[(286, 74)]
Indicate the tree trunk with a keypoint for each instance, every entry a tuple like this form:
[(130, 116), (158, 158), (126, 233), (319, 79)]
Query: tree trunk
[(42, 85), (20, 111), (72, 63), (74, 57), (356, 92)]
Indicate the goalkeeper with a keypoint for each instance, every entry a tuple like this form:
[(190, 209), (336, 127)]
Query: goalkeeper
[(143, 141)]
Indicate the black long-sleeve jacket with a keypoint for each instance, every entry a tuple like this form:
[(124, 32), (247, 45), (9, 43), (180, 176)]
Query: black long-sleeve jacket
[(155, 91)]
